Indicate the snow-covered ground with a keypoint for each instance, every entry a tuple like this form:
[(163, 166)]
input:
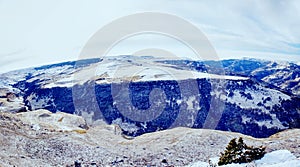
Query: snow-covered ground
[(136, 69), (278, 158), (42, 138)]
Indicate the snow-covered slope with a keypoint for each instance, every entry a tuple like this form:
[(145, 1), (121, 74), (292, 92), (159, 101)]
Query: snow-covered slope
[(279, 158), (284, 75), (40, 138), (149, 94)]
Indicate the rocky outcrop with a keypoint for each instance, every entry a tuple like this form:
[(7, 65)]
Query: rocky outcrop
[(44, 119), (42, 138), (11, 101)]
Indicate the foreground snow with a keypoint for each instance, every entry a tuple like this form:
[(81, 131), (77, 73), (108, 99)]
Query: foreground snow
[(42, 138), (279, 158)]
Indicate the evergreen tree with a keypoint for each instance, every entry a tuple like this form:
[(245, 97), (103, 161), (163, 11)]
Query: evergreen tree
[(239, 152)]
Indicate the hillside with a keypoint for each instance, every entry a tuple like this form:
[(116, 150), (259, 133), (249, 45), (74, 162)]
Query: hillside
[(41, 138), (145, 94)]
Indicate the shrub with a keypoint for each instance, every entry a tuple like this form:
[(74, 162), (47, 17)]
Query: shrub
[(239, 152)]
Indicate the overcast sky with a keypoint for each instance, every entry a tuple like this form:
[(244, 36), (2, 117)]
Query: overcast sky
[(36, 32)]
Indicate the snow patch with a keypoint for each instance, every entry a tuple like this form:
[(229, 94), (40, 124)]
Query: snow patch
[(38, 103), (131, 128), (258, 97), (190, 102), (279, 158)]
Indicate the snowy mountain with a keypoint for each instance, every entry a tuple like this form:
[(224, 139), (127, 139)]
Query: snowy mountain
[(145, 94), (283, 75)]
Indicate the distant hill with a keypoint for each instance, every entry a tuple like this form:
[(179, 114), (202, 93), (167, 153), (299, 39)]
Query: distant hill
[(146, 94)]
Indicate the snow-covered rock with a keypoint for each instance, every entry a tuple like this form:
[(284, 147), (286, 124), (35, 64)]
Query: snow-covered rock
[(52, 121), (51, 141), (11, 101), (279, 158)]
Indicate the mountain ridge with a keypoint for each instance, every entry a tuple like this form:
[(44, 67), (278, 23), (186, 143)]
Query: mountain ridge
[(197, 89)]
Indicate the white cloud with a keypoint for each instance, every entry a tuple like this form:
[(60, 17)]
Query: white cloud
[(52, 31)]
